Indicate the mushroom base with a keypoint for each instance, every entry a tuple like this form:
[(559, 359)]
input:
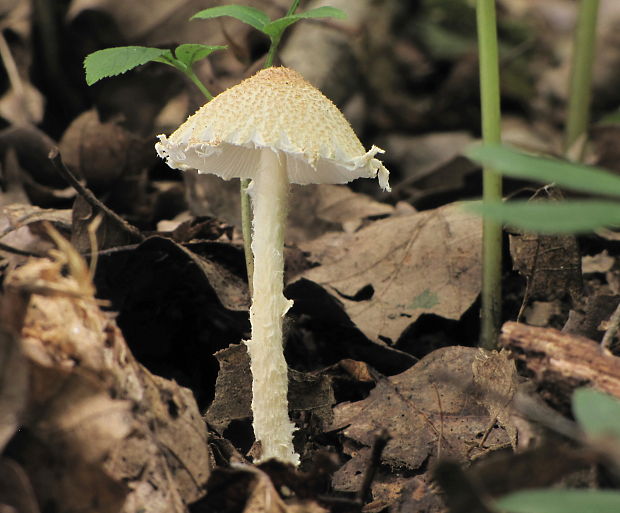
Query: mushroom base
[(272, 426)]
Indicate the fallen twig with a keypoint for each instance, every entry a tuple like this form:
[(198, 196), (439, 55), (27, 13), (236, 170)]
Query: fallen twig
[(91, 199)]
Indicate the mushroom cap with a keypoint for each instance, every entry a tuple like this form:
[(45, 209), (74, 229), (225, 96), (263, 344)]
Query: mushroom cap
[(275, 109)]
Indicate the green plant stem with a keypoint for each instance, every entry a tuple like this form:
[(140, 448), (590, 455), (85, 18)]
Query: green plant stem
[(491, 181), (293, 7), (246, 210), (581, 73), (189, 72), (275, 41)]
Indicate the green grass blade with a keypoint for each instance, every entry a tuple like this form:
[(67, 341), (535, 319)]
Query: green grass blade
[(250, 15), (277, 27), (541, 169), (553, 216), (597, 413), (188, 54), (561, 501), (115, 61)]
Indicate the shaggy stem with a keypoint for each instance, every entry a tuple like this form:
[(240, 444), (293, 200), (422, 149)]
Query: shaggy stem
[(272, 426), (246, 230), (581, 73), (491, 181)]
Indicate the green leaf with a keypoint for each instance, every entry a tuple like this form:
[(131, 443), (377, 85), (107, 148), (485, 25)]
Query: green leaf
[(565, 174), (597, 413), (250, 15), (552, 216), (277, 27), (114, 61), (561, 501), (188, 54)]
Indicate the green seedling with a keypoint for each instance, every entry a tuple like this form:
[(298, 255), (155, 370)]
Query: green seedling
[(115, 61), (273, 29)]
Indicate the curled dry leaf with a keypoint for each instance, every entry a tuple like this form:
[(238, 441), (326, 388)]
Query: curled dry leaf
[(391, 272), (110, 432)]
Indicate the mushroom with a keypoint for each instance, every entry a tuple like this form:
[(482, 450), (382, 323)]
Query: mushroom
[(274, 128)]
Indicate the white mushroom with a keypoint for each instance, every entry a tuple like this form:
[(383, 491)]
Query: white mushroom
[(274, 128)]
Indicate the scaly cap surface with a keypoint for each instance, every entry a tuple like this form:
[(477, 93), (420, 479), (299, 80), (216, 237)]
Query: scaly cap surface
[(279, 110)]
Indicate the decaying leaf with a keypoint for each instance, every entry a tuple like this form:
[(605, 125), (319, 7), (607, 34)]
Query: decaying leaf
[(315, 209), (109, 431), (308, 392), (15, 488), (430, 411), (495, 377), (99, 152), (388, 274), (13, 385), (551, 263)]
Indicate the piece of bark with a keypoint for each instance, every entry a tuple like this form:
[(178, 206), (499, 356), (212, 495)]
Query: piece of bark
[(562, 360)]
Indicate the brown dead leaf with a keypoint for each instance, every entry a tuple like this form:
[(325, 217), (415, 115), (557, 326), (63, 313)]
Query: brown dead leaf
[(314, 209), (429, 410), (308, 392), (391, 272), (496, 380), (15, 489), (13, 385), (551, 264), (108, 431), (98, 152), (423, 156)]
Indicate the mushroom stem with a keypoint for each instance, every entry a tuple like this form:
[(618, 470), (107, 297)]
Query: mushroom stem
[(272, 426)]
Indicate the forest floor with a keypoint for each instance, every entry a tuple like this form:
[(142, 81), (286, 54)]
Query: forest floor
[(124, 381)]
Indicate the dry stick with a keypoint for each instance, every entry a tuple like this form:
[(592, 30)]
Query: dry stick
[(373, 464), (91, 199)]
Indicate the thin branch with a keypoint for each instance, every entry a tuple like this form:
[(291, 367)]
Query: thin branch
[(373, 464), (17, 251), (91, 199)]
